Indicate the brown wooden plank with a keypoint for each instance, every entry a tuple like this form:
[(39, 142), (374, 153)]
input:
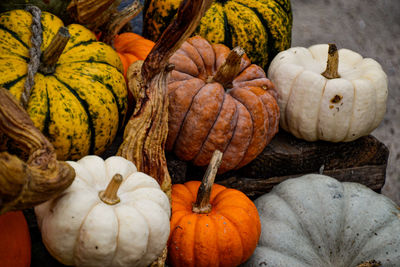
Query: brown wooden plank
[(363, 160), (373, 176)]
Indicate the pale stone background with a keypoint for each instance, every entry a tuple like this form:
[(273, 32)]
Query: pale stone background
[(371, 28)]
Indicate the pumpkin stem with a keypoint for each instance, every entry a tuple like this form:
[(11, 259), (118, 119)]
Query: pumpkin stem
[(202, 204), (331, 71), (229, 69), (371, 263), (54, 51), (109, 196), (118, 20)]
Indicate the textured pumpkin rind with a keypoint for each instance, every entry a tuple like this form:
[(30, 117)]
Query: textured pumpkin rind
[(83, 103), (204, 116), (262, 28), (226, 236), (315, 220)]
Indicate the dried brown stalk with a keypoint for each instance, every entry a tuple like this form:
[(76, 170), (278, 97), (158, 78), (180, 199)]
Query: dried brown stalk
[(118, 20), (41, 177), (103, 15), (202, 204), (146, 132), (92, 13), (147, 129)]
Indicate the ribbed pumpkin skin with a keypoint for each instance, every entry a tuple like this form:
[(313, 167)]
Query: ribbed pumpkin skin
[(261, 28), (15, 241), (227, 236), (131, 47), (204, 116), (315, 220), (80, 106)]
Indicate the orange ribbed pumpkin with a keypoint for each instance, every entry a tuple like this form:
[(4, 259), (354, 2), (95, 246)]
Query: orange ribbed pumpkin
[(15, 241), (219, 100), (225, 235), (131, 47)]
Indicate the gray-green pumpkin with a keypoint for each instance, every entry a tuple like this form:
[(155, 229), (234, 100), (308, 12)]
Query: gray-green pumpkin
[(317, 221)]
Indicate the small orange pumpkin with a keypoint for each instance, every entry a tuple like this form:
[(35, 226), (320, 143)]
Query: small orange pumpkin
[(219, 228), (15, 241), (131, 47)]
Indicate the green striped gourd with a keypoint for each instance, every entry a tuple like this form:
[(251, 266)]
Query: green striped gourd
[(81, 105), (261, 27)]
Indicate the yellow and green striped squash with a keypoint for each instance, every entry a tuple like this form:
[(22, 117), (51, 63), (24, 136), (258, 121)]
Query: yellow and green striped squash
[(82, 104), (261, 27)]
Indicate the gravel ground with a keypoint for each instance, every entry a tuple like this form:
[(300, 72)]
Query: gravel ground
[(371, 28)]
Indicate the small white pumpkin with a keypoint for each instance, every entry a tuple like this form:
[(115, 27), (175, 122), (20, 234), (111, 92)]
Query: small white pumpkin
[(104, 219), (317, 221), (340, 108)]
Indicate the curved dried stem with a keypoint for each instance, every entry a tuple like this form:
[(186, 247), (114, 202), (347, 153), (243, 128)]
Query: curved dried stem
[(227, 72), (202, 204), (146, 132), (118, 20), (41, 177), (188, 18), (92, 13)]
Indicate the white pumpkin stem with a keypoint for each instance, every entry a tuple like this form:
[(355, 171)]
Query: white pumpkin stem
[(54, 50), (229, 69), (109, 196), (202, 204), (332, 65)]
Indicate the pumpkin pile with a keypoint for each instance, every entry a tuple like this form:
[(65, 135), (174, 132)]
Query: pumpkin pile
[(200, 91)]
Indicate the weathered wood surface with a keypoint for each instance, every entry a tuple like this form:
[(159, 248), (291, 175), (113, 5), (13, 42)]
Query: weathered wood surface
[(363, 161)]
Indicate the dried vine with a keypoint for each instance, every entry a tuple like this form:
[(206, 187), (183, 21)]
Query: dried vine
[(41, 177), (146, 132)]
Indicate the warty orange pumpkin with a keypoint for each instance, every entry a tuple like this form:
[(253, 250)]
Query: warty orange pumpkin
[(219, 100), (211, 225)]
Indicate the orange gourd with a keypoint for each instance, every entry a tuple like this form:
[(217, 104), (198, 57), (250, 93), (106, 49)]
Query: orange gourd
[(15, 242), (131, 47), (219, 228)]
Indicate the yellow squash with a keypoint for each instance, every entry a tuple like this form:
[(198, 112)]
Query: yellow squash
[(261, 27), (79, 106)]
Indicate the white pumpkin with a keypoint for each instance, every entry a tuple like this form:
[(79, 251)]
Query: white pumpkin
[(317, 221), (78, 228), (314, 107)]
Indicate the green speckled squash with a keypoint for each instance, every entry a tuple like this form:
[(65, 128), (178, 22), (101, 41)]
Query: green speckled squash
[(81, 105), (261, 27)]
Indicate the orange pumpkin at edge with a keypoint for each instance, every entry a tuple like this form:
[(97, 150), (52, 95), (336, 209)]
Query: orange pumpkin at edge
[(15, 241), (225, 236)]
